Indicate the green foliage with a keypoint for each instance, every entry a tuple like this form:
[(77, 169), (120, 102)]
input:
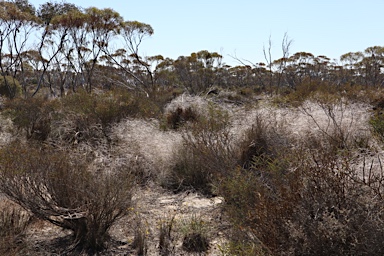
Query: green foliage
[(33, 116), (377, 123), (9, 87), (89, 117)]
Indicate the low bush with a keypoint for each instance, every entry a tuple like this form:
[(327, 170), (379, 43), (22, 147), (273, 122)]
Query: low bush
[(377, 123), (9, 87), (206, 154), (64, 191), (178, 117), (309, 200), (195, 237), (89, 117), (32, 116)]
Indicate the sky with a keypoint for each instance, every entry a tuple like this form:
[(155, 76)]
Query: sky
[(242, 28)]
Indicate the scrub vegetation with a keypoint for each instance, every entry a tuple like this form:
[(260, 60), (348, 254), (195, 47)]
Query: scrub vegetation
[(106, 152)]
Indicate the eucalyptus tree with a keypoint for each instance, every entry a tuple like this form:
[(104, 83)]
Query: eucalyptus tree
[(102, 25), (128, 59), (372, 64), (133, 34), (53, 44), (241, 76), (164, 73), (197, 72), (17, 23), (299, 67), (351, 63)]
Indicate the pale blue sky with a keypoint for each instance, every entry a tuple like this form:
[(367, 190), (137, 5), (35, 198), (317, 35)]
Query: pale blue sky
[(243, 27)]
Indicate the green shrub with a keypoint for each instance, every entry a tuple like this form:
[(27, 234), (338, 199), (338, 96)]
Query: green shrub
[(377, 123), (9, 87), (32, 116), (89, 117)]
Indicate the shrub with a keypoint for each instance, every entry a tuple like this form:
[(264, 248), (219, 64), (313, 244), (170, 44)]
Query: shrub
[(308, 200), (338, 131), (260, 144), (195, 238), (206, 154), (9, 87), (105, 107), (179, 116), (89, 117), (32, 116), (63, 191), (377, 123), (238, 248)]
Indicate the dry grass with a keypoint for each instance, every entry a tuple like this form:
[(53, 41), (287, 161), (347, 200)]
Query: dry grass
[(13, 224)]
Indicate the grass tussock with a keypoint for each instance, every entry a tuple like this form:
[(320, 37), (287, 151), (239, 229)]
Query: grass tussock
[(195, 234)]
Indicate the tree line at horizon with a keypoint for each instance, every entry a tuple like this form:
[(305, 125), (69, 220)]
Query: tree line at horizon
[(62, 47)]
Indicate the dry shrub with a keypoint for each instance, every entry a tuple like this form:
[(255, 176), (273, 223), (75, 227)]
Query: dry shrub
[(13, 223), (260, 144), (178, 117), (308, 200), (340, 212), (206, 154), (340, 127), (243, 248), (62, 190)]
